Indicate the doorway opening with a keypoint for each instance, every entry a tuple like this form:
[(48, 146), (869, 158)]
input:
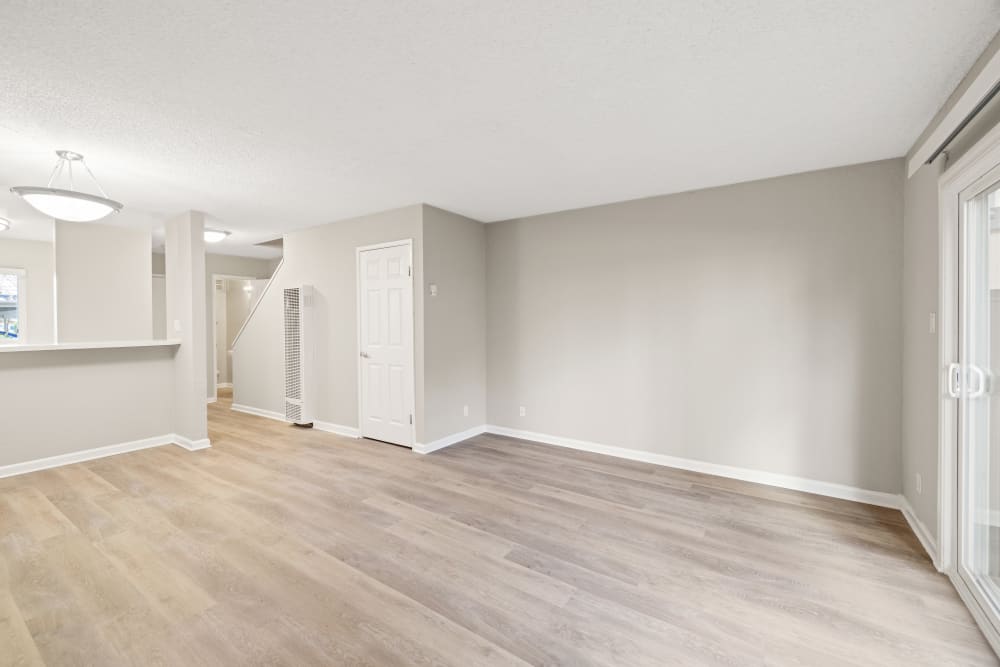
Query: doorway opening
[(233, 300)]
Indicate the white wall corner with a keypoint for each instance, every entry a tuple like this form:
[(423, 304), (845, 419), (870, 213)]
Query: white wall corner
[(920, 530), (829, 489), (191, 445), (449, 440)]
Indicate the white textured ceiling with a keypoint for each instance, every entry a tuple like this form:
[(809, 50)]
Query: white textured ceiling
[(272, 116)]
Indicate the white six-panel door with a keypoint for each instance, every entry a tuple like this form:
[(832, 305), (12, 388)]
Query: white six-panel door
[(385, 332)]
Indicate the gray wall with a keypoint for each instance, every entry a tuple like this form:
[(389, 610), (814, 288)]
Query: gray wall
[(36, 258), (754, 325), (102, 397), (103, 283), (454, 323), (920, 348), (324, 257)]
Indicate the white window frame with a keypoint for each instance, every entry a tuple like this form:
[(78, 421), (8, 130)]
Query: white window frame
[(22, 305)]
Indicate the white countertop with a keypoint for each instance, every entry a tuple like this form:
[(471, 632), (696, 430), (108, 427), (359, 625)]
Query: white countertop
[(89, 345)]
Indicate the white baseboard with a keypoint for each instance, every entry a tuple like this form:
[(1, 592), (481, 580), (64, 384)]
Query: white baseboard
[(270, 414), (211, 400), (329, 427), (449, 440), (224, 385), (100, 453), (920, 530), (830, 489), (191, 445)]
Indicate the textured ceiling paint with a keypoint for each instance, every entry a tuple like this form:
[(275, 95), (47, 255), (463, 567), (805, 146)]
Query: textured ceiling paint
[(273, 116)]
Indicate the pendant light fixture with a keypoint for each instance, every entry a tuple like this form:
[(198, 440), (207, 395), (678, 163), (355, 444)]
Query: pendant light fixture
[(69, 205)]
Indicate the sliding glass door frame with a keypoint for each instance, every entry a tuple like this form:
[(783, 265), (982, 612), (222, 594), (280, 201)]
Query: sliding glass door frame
[(976, 172)]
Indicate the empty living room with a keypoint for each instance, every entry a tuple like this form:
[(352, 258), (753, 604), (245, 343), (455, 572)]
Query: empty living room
[(617, 333)]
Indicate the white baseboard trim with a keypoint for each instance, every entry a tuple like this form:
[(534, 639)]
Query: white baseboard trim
[(211, 400), (833, 490), (330, 427), (920, 530), (224, 385), (270, 414), (191, 445), (449, 440), (100, 453)]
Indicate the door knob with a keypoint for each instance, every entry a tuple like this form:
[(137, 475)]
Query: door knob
[(364, 355)]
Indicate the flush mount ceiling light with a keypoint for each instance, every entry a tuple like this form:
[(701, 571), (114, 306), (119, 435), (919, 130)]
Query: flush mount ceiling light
[(4, 224), (69, 205), (215, 235)]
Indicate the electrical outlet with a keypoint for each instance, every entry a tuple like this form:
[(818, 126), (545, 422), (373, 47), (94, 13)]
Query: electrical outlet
[(465, 410), (920, 483), (524, 412)]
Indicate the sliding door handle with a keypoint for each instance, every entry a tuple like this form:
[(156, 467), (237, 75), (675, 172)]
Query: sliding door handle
[(980, 385), (955, 380)]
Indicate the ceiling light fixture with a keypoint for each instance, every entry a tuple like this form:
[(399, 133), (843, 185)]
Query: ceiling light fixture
[(69, 205), (4, 224), (215, 235)]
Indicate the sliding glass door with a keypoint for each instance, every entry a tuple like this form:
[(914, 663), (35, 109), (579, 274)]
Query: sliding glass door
[(975, 382)]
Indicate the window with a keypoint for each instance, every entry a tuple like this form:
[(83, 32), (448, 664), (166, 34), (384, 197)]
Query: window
[(11, 305)]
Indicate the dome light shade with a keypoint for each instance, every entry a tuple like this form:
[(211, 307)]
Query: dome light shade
[(69, 205), (215, 235), (66, 204)]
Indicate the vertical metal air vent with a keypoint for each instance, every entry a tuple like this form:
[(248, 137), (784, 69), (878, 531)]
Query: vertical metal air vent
[(298, 354)]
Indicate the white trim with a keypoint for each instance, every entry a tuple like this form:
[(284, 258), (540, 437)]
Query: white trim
[(263, 293), (985, 626), (191, 445), (413, 331), (330, 427), (212, 399), (224, 385), (92, 345), (100, 453), (927, 540), (258, 412), (830, 489), (449, 440), (963, 106)]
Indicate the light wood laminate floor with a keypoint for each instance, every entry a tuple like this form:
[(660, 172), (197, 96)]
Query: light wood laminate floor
[(284, 546)]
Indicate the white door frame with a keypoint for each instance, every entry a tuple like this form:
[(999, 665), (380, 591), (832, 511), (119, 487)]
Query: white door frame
[(413, 331), (969, 174), (215, 334)]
